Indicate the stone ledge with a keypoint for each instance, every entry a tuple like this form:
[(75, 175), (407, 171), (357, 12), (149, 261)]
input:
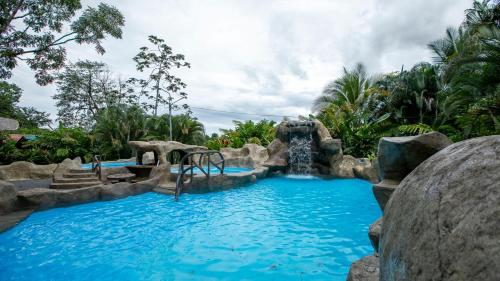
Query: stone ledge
[(10, 220), (365, 269)]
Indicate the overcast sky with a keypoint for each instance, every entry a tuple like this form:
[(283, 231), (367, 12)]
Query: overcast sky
[(263, 56)]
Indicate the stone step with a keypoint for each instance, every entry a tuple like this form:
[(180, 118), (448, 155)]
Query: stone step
[(168, 188), (75, 180), (79, 175), (83, 171), (74, 185), (383, 191)]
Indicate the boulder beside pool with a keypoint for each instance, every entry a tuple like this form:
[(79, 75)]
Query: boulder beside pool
[(443, 221)]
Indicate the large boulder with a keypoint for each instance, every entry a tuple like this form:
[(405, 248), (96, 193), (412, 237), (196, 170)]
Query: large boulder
[(364, 269), (278, 155), (443, 221), (249, 155), (8, 197), (23, 170), (398, 156)]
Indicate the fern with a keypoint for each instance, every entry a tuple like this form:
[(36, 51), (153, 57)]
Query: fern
[(415, 129)]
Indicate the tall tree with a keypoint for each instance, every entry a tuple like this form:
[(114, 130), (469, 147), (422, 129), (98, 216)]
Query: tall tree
[(28, 117), (32, 31), (84, 90), (350, 90), (159, 61)]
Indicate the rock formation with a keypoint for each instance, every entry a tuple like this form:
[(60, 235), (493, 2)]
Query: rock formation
[(398, 156), (26, 170), (162, 148), (326, 151), (8, 197), (250, 155), (443, 220)]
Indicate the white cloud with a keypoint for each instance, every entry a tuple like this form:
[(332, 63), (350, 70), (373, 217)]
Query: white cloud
[(266, 57)]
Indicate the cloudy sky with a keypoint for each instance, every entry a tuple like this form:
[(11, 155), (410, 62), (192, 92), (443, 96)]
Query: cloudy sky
[(265, 57)]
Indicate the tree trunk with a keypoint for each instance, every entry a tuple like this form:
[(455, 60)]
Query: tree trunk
[(170, 119)]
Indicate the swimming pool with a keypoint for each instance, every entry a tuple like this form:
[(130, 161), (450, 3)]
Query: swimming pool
[(173, 169), (110, 164), (276, 229)]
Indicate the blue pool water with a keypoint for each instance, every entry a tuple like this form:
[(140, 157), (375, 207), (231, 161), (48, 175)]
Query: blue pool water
[(227, 170), (277, 229), (109, 164), (174, 169)]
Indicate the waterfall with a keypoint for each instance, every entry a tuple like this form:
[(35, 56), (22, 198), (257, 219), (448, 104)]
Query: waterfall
[(299, 155)]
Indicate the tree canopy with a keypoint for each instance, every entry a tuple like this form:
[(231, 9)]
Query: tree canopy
[(35, 32)]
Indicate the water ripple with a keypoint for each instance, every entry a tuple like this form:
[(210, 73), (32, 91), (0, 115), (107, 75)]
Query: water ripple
[(277, 229)]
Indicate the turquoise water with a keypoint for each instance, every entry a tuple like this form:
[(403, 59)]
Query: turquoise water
[(227, 170), (277, 229), (174, 169), (109, 164)]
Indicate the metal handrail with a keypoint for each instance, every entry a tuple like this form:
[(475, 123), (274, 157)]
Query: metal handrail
[(179, 184), (96, 166)]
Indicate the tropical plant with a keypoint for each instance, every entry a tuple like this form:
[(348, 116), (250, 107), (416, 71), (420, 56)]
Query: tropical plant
[(349, 91), (261, 133), (185, 129), (115, 127)]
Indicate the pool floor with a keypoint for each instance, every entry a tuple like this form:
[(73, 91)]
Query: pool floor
[(277, 229)]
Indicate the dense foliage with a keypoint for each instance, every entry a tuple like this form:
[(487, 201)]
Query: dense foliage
[(458, 95), (51, 146), (262, 133)]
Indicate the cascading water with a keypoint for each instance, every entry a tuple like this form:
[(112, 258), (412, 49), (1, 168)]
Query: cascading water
[(299, 154)]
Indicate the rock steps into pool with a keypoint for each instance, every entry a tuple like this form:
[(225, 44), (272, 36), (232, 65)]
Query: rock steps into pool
[(168, 188), (75, 178)]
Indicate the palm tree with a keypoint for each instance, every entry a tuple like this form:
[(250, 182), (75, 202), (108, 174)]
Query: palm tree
[(348, 91), (185, 129)]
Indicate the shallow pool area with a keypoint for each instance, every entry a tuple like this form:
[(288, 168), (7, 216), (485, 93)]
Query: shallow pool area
[(279, 228), (214, 171), (110, 164)]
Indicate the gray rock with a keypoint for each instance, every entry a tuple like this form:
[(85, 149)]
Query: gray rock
[(383, 191), (23, 170), (443, 221), (343, 168), (125, 189), (249, 155), (278, 155), (366, 169), (365, 269), (162, 148), (44, 198), (374, 233), (8, 197), (398, 156)]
